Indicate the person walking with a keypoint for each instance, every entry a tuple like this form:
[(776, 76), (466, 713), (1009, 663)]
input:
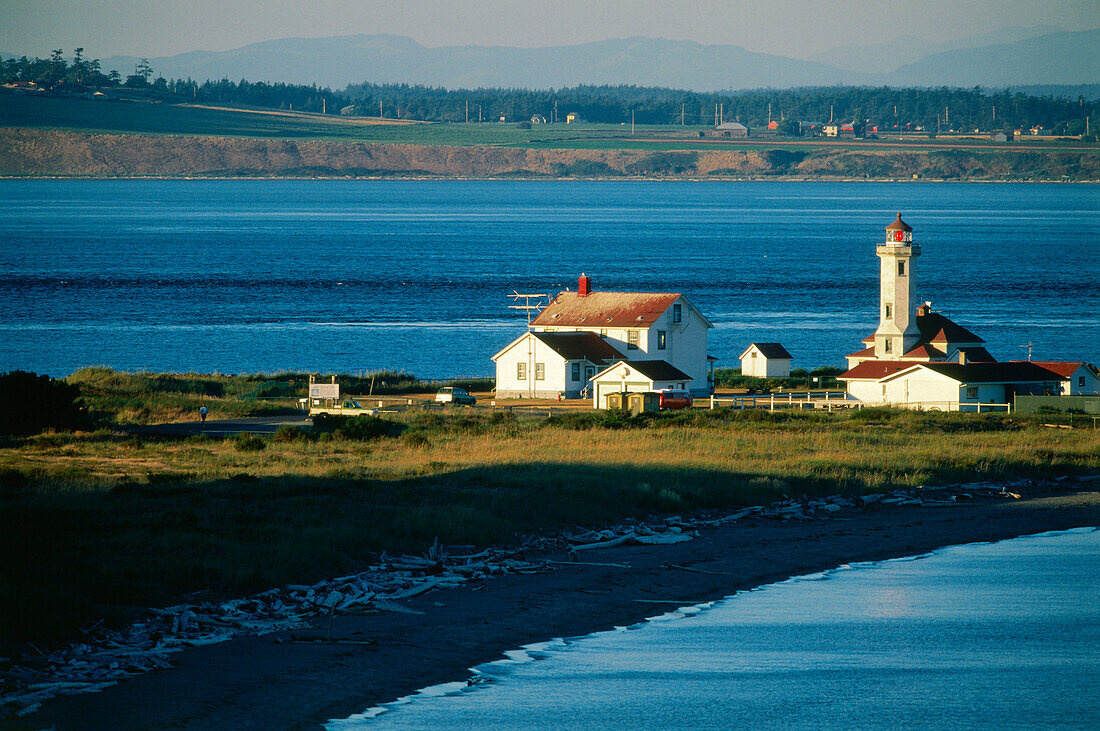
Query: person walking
[(203, 411)]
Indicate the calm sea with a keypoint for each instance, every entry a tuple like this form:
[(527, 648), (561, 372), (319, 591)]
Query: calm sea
[(263, 276), (990, 636)]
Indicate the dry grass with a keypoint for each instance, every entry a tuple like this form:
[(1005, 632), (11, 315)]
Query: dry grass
[(91, 521)]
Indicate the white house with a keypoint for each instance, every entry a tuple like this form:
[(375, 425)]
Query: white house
[(963, 386), (605, 327), (636, 376), (1077, 378), (766, 360), (549, 364)]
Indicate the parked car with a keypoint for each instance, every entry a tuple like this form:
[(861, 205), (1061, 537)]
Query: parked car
[(674, 399), (450, 395)]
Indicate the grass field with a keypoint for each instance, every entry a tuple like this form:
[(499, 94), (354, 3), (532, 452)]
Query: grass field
[(143, 117), (93, 523)]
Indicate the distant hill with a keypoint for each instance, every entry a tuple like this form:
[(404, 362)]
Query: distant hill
[(906, 49), (1009, 57), (1057, 58), (342, 60)]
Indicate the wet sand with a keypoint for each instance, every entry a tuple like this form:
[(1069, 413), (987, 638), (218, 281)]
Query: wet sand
[(277, 681)]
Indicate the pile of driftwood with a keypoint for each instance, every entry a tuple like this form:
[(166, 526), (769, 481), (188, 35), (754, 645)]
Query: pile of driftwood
[(107, 656)]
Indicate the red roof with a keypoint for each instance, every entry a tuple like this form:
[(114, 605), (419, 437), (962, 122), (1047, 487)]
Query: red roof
[(923, 350), (990, 372), (935, 328), (605, 309), (873, 370), (866, 352), (1062, 368)]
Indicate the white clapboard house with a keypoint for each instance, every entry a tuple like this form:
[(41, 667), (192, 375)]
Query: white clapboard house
[(575, 346), (920, 358)]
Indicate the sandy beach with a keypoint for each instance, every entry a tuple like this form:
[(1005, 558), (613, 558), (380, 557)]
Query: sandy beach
[(280, 681)]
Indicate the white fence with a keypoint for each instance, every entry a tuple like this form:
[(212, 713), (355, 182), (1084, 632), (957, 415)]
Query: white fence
[(840, 400)]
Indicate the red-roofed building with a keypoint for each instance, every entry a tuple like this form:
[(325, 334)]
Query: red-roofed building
[(1077, 377), (584, 332)]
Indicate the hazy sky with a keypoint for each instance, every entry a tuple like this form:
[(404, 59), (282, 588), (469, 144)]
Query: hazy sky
[(795, 28)]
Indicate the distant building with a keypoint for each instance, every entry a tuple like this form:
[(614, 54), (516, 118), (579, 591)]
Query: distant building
[(573, 118), (766, 360), (732, 129), (538, 119), (1000, 137)]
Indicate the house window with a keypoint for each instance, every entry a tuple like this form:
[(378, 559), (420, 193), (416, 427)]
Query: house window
[(901, 269), (576, 368), (972, 392), (889, 312), (752, 355), (1080, 381), (540, 371), (677, 313), (589, 371), (660, 340), (521, 371), (631, 339), (887, 346)]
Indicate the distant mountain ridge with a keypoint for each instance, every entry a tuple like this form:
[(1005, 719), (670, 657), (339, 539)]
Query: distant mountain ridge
[(1022, 56)]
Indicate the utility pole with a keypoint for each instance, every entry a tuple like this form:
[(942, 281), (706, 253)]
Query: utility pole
[(769, 113), (479, 114), (721, 113), (631, 121), (716, 115), (467, 111), (682, 116), (380, 109)]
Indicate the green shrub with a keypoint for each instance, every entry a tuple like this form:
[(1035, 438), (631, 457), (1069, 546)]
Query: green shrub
[(30, 403), (416, 439), (248, 442), (287, 433)]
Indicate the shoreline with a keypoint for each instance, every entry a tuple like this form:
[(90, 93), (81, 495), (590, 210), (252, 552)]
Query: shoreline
[(279, 680)]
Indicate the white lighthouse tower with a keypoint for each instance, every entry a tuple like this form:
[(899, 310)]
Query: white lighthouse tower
[(897, 329)]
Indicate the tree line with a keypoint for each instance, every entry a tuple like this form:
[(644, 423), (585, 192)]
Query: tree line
[(930, 109)]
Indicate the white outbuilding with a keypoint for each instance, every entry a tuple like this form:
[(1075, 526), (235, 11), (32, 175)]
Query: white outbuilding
[(766, 360)]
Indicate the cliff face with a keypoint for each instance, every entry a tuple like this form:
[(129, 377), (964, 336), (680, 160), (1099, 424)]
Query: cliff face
[(38, 153)]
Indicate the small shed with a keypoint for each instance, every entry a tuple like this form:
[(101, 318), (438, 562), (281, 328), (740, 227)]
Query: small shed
[(766, 360), (636, 376), (999, 137)]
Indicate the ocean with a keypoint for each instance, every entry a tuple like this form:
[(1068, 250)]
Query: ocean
[(242, 276), (983, 636)]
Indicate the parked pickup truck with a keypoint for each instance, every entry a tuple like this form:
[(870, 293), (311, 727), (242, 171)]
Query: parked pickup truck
[(450, 395), (347, 407)]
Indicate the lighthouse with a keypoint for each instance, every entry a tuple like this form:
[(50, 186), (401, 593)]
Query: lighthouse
[(897, 331)]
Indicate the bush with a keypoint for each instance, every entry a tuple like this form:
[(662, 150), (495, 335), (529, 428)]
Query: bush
[(30, 403), (416, 439), (288, 433), (248, 442)]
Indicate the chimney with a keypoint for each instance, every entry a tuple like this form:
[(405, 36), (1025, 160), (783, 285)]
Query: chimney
[(962, 356), (584, 285)]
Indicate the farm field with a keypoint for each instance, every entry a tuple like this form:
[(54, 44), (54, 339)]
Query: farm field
[(156, 118)]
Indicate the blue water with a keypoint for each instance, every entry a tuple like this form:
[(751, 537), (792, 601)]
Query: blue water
[(247, 276), (990, 636)]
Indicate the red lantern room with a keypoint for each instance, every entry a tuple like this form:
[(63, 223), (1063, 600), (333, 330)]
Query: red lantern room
[(899, 232)]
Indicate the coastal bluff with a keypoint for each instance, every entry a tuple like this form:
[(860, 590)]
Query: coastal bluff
[(28, 152)]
